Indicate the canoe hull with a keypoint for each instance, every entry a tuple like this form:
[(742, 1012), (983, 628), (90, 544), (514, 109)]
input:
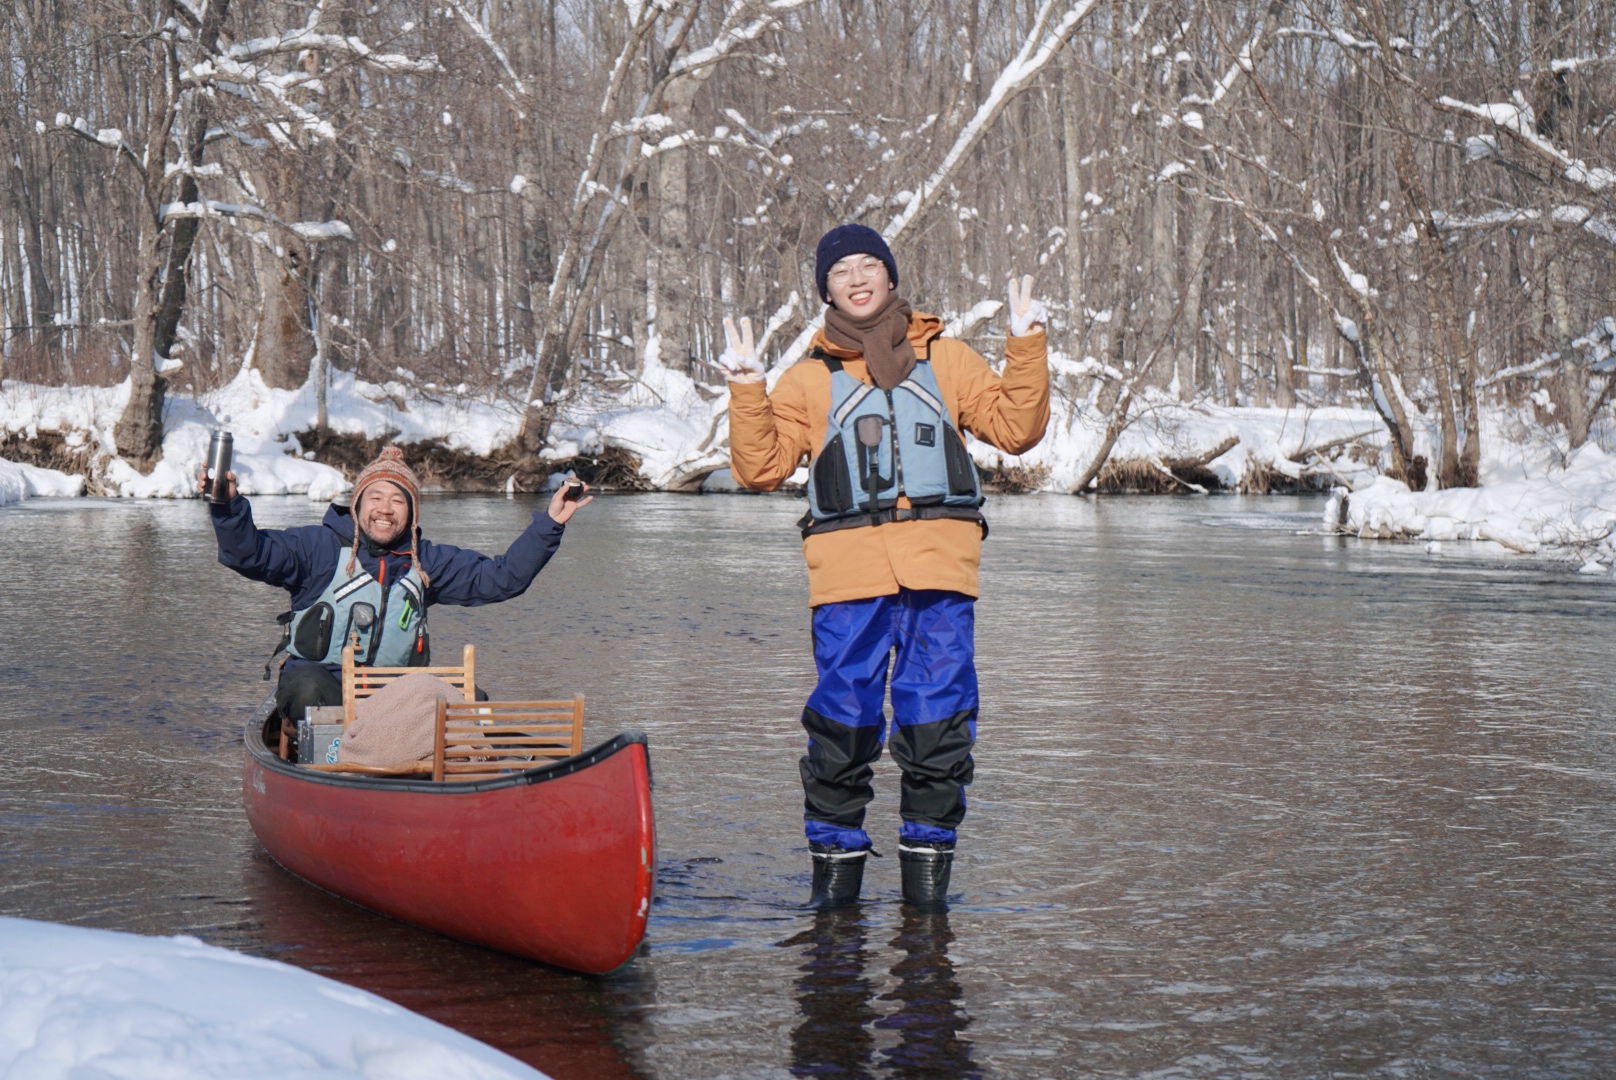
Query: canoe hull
[(555, 864)]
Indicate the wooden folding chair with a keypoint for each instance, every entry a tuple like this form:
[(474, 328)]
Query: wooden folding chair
[(480, 739), (359, 682)]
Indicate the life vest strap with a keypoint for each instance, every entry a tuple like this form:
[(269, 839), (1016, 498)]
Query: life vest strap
[(810, 527)]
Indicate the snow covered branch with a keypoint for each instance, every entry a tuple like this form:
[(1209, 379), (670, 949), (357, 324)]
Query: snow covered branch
[(1039, 48), (743, 23), (1598, 224), (109, 138), (481, 33), (1517, 121), (240, 56), (212, 208), (1041, 45)]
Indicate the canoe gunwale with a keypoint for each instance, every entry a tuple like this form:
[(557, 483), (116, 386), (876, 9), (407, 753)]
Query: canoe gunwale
[(553, 770)]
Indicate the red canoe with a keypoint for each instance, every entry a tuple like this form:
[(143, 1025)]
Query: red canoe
[(554, 863)]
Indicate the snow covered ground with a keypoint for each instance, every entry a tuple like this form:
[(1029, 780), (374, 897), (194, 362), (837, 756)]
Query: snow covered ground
[(675, 426), (18, 482), (1273, 439), (1562, 509), (1534, 497), (76, 1002)]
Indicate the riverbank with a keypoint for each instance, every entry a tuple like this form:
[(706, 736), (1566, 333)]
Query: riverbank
[(20, 481), (1561, 507), (663, 431), (660, 431)]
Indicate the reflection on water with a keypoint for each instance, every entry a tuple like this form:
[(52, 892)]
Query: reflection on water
[(1251, 801), (838, 1000), (929, 1019), (835, 1037)]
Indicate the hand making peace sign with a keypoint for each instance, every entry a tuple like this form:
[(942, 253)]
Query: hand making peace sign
[(739, 358), (1026, 314)]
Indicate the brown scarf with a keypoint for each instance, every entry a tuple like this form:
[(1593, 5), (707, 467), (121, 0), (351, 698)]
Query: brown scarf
[(881, 337)]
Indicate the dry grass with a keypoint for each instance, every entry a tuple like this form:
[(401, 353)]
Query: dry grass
[(1005, 479), (1143, 476), (446, 469)]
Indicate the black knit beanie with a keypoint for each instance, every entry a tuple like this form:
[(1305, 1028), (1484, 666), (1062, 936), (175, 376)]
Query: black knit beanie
[(845, 240)]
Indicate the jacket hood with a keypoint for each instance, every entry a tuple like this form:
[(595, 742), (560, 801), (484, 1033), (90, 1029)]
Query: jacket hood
[(339, 519), (922, 329)]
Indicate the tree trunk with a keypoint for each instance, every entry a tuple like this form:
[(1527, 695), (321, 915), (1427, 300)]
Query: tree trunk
[(42, 320), (183, 233), (1460, 453), (1285, 355), (139, 431), (676, 272), (1573, 374), (286, 344), (138, 435), (1072, 151)]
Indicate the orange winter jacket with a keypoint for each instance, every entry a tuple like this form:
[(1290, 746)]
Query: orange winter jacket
[(770, 434)]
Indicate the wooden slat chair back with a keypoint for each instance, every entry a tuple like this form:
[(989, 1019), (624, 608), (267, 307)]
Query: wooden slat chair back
[(361, 682), (481, 739)]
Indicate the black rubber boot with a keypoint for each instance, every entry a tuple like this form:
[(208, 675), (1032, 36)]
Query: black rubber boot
[(838, 875), (926, 866)]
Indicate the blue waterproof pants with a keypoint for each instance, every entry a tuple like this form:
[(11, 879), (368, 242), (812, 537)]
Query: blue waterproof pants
[(934, 702)]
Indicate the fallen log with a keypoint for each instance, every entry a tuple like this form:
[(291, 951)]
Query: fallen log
[(1207, 458), (1158, 476), (1301, 456)]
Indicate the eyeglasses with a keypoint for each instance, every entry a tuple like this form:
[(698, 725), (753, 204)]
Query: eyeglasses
[(844, 270)]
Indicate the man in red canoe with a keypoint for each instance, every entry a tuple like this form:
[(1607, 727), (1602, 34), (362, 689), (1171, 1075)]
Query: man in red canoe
[(367, 570)]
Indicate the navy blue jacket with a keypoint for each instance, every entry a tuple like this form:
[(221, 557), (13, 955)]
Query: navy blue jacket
[(303, 560)]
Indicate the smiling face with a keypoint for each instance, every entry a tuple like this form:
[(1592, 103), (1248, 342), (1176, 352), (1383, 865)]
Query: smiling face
[(858, 284), (384, 512)]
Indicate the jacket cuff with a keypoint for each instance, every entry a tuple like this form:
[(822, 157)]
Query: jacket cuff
[(225, 511), (754, 392), (1027, 348)]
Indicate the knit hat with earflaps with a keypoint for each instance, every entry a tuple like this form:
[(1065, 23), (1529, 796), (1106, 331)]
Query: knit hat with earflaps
[(389, 466)]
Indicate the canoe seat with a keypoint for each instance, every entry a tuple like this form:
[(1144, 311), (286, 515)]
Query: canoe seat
[(481, 739), (360, 682)]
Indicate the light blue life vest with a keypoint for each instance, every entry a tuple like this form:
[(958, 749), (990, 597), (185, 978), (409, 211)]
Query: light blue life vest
[(911, 448), (391, 625)]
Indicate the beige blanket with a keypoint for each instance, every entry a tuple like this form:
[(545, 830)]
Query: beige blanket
[(397, 723)]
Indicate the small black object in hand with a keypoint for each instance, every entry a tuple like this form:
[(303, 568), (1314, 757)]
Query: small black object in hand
[(574, 491)]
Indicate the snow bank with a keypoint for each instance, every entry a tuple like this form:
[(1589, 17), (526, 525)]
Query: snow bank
[(1167, 428), (677, 429), (18, 482), (78, 1002), (263, 421), (1567, 512)]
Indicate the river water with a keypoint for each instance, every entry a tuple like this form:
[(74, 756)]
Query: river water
[(1250, 801)]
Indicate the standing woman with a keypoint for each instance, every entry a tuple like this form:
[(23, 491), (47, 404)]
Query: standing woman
[(893, 538)]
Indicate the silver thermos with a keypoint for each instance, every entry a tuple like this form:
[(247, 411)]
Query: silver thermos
[(219, 450)]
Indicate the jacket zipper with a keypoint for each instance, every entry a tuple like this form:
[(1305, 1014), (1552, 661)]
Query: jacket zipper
[(381, 613), (897, 458)]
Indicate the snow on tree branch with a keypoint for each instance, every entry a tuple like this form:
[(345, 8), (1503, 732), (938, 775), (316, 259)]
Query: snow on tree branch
[(1517, 121), (307, 38), (1598, 224), (213, 208), (1573, 63), (111, 138), (1041, 45), (740, 27), (482, 34)]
